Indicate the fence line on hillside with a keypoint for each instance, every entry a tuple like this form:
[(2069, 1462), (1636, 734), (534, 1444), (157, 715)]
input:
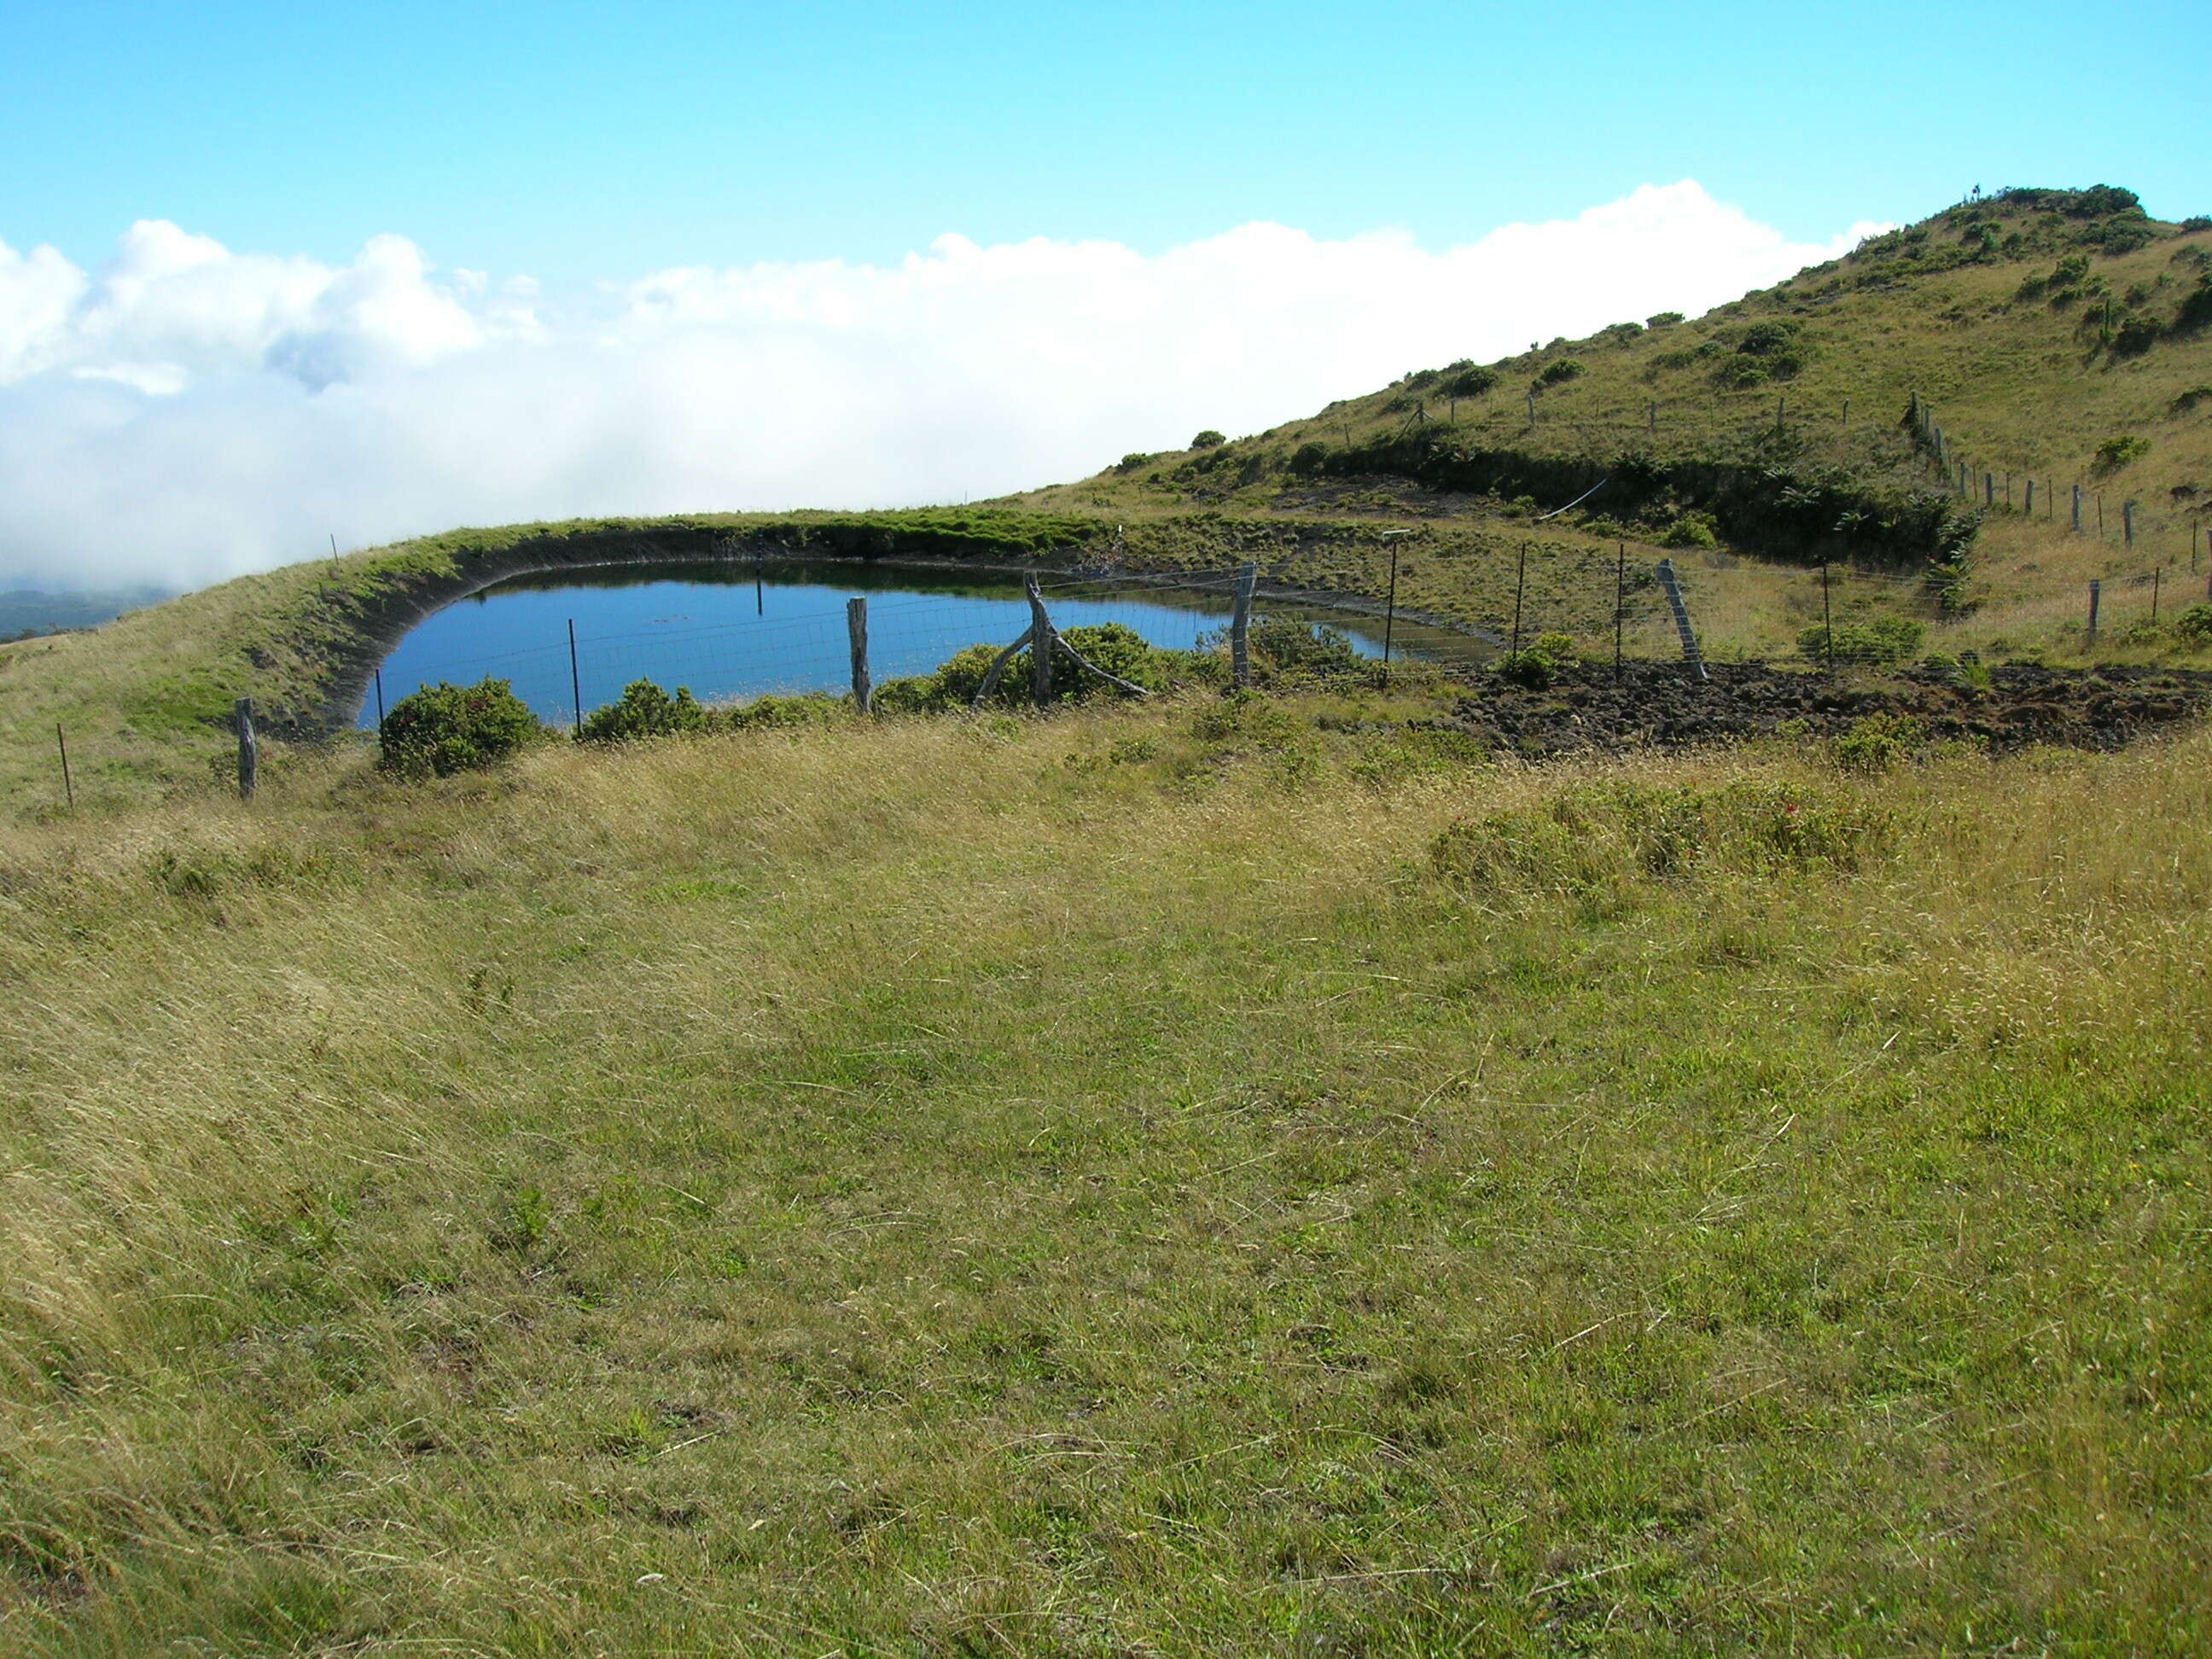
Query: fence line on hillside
[(1549, 597)]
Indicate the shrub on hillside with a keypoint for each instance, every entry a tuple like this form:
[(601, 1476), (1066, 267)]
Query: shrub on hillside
[(1663, 319), (1209, 439), (1592, 837), (2115, 452), (1283, 649), (1559, 372), (1879, 644), (644, 711), (1471, 382), (1132, 461), (806, 708), (443, 729), (1537, 663), (1692, 530), (1308, 458), (1877, 744), (2194, 624)]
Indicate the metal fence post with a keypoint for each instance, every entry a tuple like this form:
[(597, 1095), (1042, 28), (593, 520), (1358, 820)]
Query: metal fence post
[(249, 759), (1519, 582), (856, 626), (69, 788), (1690, 652), (1240, 626)]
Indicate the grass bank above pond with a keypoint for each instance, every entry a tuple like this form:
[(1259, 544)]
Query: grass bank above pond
[(1140, 1182)]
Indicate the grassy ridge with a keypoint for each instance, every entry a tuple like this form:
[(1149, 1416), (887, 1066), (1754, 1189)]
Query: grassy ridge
[(1092, 1187)]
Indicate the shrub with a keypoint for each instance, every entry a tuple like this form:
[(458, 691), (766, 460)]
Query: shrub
[(1620, 333), (1594, 837), (1537, 663), (2194, 223), (1691, 530), (645, 711), (1472, 382), (1308, 459), (2115, 452), (443, 729), (1886, 640), (1209, 439), (2195, 624), (2189, 399), (2196, 310), (2134, 337), (807, 708), (1284, 648), (1663, 319), (1132, 461), (1876, 743), (1559, 372)]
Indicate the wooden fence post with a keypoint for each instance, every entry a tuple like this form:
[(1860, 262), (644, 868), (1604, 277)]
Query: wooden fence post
[(2096, 592), (1240, 626), (69, 788), (856, 626), (249, 759), (1040, 643), (2077, 509)]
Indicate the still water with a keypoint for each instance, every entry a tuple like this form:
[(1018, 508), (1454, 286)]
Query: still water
[(731, 632)]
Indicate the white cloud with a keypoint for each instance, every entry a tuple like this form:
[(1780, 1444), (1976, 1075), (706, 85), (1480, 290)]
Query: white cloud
[(188, 413)]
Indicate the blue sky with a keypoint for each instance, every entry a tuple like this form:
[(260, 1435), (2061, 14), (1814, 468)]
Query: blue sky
[(272, 274), (576, 142)]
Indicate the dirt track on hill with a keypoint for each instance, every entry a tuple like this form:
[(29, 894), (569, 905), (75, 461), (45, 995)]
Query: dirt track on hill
[(1659, 704)]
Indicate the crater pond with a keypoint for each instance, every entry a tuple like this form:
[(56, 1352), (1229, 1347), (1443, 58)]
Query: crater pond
[(739, 630)]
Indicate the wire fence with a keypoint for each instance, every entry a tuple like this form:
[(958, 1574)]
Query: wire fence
[(1533, 596)]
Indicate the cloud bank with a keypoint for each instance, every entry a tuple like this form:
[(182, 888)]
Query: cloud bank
[(188, 413)]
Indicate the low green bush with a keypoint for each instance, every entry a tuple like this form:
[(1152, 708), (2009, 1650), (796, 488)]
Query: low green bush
[(2194, 624), (644, 711), (2115, 452), (788, 713), (1209, 439), (1691, 530), (1610, 835), (1877, 744), (1557, 374), (1879, 643), (1471, 382), (443, 729), (1537, 663)]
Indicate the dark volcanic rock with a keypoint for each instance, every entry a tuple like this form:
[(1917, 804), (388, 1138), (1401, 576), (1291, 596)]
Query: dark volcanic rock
[(1660, 703)]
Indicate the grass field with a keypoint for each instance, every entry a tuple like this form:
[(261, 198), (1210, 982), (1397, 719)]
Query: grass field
[(1107, 1185)]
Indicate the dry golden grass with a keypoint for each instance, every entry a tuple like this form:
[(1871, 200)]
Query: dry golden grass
[(1087, 1187)]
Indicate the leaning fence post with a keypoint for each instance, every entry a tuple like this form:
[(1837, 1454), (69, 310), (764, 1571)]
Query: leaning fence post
[(2096, 591), (1519, 582), (68, 788), (1619, 603), (1828, 622), (1040, 638), (856, 626), (1690, 653), (2156, 572), (248, 757), (1240, 626)]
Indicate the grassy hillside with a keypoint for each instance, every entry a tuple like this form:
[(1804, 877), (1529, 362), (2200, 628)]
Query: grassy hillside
[(2059, 335), (1191, 1180)]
